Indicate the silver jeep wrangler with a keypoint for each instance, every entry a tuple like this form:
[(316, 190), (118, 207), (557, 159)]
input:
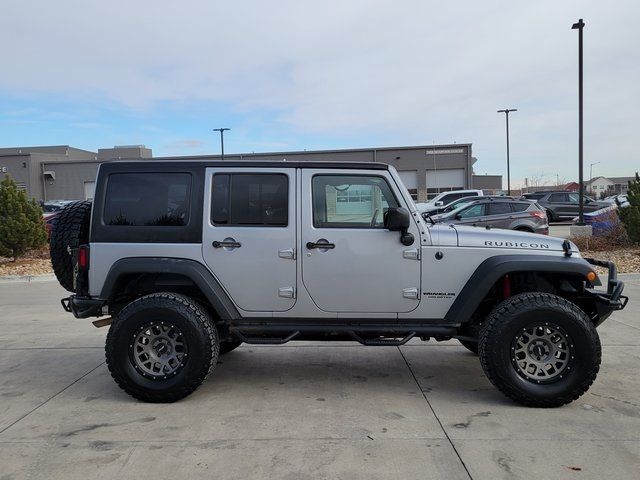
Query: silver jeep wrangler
[(186, 260)]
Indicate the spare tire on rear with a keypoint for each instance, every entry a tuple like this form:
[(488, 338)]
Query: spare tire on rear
[(70, 230)]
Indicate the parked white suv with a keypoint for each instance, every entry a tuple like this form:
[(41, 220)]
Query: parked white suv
[(446, 198), (186, 260)]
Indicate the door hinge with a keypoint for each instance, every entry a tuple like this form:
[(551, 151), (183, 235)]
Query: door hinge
[(289, 253), (411, 254), (410, 293), (287, 292)]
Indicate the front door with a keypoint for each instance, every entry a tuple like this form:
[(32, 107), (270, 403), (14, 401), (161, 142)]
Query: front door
[(249, 236), (472, 215), (350, 262)]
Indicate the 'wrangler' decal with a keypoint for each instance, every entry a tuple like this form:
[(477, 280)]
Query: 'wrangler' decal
[(490, 243)]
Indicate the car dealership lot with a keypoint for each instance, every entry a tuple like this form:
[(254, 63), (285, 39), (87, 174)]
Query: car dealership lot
[(302, 410)]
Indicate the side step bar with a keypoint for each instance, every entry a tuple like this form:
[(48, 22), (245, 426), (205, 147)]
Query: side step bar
[(379, 335), (266, 340)]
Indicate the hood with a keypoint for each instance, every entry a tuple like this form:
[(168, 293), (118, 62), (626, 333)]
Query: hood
[(481, 237)]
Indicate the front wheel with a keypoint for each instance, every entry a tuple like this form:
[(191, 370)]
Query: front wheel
[(161, 347), (540, 350)]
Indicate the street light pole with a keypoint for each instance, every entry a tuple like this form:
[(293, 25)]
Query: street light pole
[(221, 130), (506, 113), (580, 26)]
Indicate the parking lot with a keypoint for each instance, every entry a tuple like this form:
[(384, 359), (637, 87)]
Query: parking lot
[(305, 410)]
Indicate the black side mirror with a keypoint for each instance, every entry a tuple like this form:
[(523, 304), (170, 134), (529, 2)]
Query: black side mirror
[(458, 216), (397, 219)]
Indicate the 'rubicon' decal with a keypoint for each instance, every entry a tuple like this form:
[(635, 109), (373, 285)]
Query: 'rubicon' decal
[(491, 243)]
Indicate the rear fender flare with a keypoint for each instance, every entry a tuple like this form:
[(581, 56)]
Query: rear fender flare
[(191, 269)]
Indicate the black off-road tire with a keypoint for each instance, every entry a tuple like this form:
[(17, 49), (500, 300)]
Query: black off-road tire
[(473, 331), (550, 216), (198, 330), (523, 310), (227, 346), (70, 230)]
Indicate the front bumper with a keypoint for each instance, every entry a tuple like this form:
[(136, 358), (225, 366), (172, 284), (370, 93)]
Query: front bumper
[(611, 300), (83, 307)]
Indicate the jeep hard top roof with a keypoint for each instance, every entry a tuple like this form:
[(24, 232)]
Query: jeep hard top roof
[(199, 162)]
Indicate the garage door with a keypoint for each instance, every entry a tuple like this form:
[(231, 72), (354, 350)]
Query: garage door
[(410, 180), (449, 178)]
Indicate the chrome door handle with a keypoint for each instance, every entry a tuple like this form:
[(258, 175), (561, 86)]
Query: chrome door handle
[(322, 245), (226, 243)]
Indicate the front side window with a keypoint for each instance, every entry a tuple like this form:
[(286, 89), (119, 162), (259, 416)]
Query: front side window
[(574, 198), (343, 201), (246, 199), (147, 199), (473, 211)]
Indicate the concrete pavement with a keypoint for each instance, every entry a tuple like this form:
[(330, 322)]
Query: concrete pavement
[(302, 410)]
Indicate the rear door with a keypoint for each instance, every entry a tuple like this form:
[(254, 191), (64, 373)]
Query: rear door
[(364, 267), (498, 214), (249, 235), (561, 204)]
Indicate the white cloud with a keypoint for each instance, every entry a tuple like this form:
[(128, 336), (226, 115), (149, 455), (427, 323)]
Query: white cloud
[(411, 72)]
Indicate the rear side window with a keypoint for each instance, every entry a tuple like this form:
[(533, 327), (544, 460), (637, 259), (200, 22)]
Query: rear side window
[(242, 199), (499, 208), (520, 207), (534, 196), (558, 198), (147, 199)]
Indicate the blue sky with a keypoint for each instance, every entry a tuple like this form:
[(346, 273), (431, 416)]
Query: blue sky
[(314, 75)]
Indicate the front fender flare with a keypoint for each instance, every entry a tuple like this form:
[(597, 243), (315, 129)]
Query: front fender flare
[(494, 268)]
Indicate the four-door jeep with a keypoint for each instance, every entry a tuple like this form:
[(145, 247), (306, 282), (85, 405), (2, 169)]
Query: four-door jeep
[(186, 260)]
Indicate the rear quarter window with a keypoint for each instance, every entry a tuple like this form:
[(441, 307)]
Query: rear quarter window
[(147, 199), (520, 207)]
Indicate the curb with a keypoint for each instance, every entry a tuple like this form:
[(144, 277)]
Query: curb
[(49, 277)]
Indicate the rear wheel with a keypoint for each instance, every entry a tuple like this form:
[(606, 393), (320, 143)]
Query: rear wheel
[(540, 350), (161, 347), (550, 216)]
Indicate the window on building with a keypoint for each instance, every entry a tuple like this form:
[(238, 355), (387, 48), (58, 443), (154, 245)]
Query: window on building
[(243, 199), (150, 199), (343, 201)]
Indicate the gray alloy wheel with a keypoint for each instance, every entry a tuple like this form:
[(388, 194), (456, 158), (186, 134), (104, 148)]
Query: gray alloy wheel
[(158, 350), (542, 352)]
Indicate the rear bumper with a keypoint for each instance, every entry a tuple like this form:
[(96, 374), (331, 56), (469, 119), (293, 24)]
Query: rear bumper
[(83, 307), (611, 300)]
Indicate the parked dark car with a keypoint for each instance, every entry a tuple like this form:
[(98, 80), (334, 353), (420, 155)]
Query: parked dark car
[(508, 213), (563, 205), (460, 202)]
